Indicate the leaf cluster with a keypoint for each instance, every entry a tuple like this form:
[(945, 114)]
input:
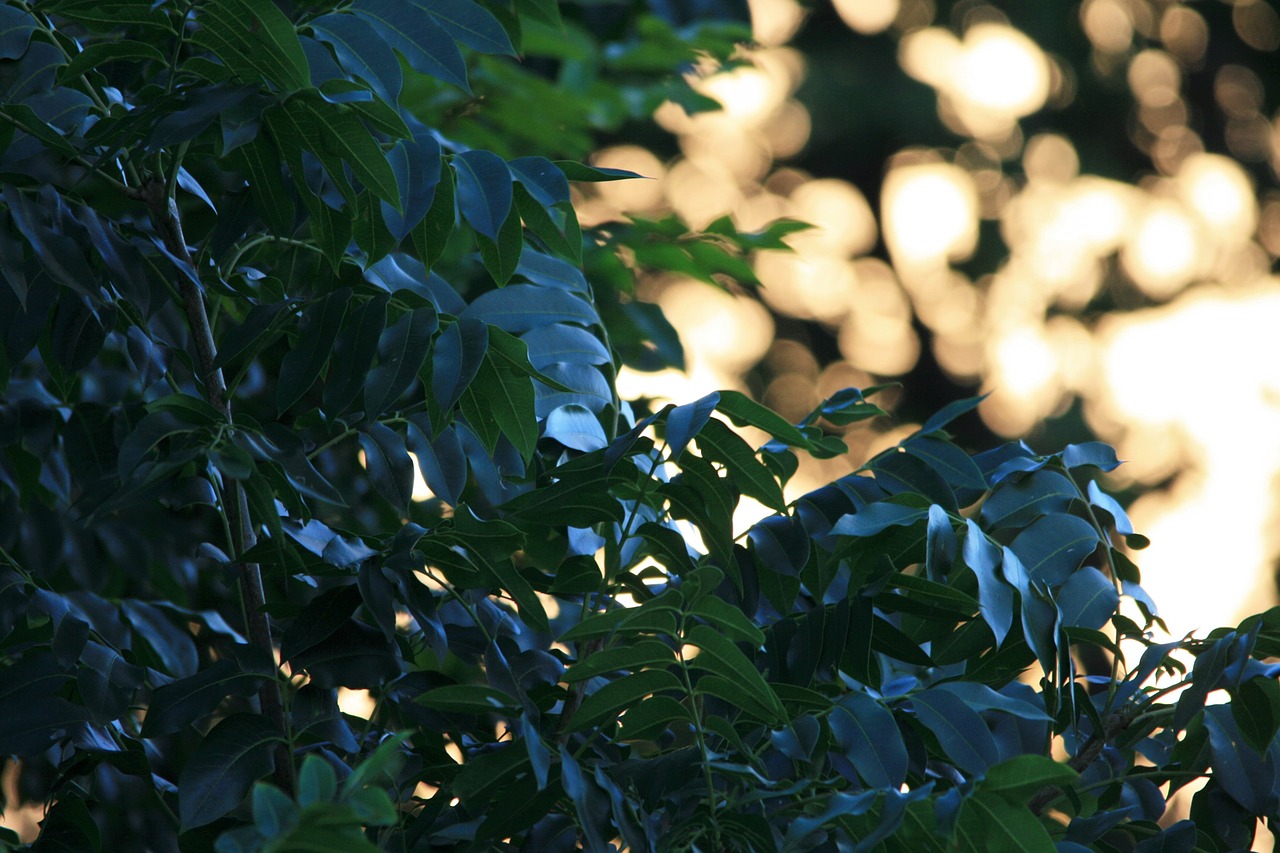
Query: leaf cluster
[(305, 395)]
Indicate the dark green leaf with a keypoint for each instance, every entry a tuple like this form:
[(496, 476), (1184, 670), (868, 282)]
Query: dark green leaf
[(423, 42), (470, 24), (255, 40), (1024, 775), (217, 778), (575, 171), (468, 699), (867, 734), (319, 619), (353, 353), (721, 444), (180, 703), (719, 655), (501, 255), (319, 327), (628, 657), (1016, 503), (388, 464), (484, 191), (963, 734), (402, 349), (616, 696)]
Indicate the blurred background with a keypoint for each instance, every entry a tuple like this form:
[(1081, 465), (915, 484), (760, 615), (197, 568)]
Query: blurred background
[(1070, 206)]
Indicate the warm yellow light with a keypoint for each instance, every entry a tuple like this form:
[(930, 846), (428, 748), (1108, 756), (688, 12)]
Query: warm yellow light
[(1108, 25), (634, 195), (1025, 364), (1220, 194), (930, 213), (747, 93), (929, 55), (867, 16), (421, 491), (845, 224), (1002, 70), (1164, 252)]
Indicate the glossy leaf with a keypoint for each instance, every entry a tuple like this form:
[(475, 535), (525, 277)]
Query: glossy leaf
[(402, 349)]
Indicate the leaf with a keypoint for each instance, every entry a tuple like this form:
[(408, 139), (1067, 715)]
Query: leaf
[(988, 822), (501, 400), (484, 191), (611, 699), (686, 421), (1087, 598), (470, 24), (576, 427), (362, 52), (317, 781), (218, 776), (1093, 453), (557, 343), (1255, 706), (255, 40), (1017, 503), (739, 697), (744, 411), (877, 517), (721, 444), (341, 134), (576, 171), (321, 321), (1024, 775), (542, 178), (955, 466), (980, 697), (949, 413), (402, 349), (354, 656), (180, 703), (963, 734), (457, 355), (425, 45), (868, 736), (388, 465), (1054, 546), (518, 308), (29, 726), (468, 699), (628, 657), (319, 619), (720, 656), (353, 353), (501, 256)]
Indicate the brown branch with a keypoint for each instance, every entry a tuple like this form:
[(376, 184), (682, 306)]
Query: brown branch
[(1111, 726), (164, 213)]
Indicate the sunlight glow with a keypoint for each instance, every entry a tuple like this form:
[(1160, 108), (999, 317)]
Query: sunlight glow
[(930, 214), (867, 16)]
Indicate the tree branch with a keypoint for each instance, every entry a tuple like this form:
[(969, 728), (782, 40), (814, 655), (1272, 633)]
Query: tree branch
[(164, 213), (1111, 726)]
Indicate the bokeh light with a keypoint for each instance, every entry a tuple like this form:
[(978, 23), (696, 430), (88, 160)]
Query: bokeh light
[(1142, 299)]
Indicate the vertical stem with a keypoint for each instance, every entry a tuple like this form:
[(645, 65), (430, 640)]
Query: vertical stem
[(164, 213)]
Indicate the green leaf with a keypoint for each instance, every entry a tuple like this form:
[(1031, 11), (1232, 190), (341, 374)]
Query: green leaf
[(102, 52), (273, 812), (501, 255), (402, 349), (1255, 705), (740, 698), (468, 699), (353, 353), (484, 190), (721, 657), (218, 776), (255, 40), (652, 717), (988, 822), (868, 736), (1022, 776), (327, 612), (319, 327), (963, 734), (576, 171), (345, 136), (728, 619), (182, 702), (501, 400), (388, 464), (628, 656), (317, 781), (470, 24), (721, 444), (432, 234), (616, 696), (744, 411), (1054, 546)]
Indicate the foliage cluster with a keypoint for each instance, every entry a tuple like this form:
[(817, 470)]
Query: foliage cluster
[(252, 278)]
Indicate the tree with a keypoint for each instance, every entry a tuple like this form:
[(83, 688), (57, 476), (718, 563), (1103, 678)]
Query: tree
[(253, 280)]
